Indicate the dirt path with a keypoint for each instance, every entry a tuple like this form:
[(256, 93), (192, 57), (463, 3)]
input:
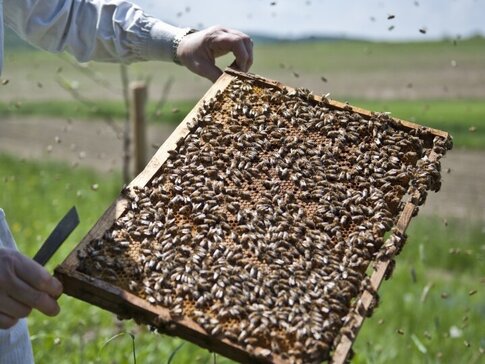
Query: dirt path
[(96, 144)]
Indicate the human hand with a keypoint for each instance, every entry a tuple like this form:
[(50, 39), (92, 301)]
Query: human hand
[(24, 285), (198, 51)]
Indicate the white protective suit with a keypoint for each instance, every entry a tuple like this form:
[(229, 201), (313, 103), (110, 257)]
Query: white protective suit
[(101, 30)]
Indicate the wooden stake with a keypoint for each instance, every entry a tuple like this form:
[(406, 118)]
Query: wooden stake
[(138, 97)]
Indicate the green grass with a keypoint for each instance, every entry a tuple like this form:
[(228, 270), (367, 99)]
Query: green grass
[(347, 65), (302, 56), (171, 112), (315, 56), (448, 308), (36, 195)]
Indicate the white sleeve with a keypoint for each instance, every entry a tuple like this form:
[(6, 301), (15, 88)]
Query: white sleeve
[(109, 30)]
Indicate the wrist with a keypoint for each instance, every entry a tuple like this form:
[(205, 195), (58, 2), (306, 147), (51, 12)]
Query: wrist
[(176, 43)]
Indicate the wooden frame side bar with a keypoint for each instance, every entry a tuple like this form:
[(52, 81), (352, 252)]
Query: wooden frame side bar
[(364, 303)]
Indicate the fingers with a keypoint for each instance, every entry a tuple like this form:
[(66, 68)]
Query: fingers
[(248, 47), (25, 284), (6, 322), (241, 53), (15, 309), (204, 67), (197, 51), (34, 298), (37, 277), (236, 42), (208, 70)]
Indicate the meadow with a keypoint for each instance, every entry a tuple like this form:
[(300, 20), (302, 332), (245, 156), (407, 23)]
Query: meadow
[(433, 308)]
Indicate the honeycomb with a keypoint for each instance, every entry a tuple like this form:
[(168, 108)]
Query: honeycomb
[(261, 224)]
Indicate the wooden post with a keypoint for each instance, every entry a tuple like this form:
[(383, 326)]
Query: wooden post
[(126, 165), (138, 96)]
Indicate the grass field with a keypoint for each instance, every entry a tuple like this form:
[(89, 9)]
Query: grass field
[(361, 56), (426, 313), (350, 69), (444, 326)]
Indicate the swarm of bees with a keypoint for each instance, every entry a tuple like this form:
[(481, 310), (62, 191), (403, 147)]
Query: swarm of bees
[(261, 224)]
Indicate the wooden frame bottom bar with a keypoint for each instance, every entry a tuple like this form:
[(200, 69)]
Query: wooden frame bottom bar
[(126, 305)]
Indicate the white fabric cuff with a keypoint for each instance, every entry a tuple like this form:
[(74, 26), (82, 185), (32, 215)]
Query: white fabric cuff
[(159, 42)]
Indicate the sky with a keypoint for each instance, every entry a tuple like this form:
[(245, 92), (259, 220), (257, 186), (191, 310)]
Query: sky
[(366, 19)]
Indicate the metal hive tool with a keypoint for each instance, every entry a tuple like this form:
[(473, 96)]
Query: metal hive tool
[(251, 230)]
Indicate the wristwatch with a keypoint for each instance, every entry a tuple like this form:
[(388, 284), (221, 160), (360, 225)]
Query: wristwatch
[(176, 43)]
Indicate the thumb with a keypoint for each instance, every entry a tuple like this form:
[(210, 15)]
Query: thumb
[(206, 69)]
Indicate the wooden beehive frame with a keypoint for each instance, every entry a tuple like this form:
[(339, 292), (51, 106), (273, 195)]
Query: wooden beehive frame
[(125, 304)]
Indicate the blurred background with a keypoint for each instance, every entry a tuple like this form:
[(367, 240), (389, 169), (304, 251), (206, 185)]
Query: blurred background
[(62, 143)]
